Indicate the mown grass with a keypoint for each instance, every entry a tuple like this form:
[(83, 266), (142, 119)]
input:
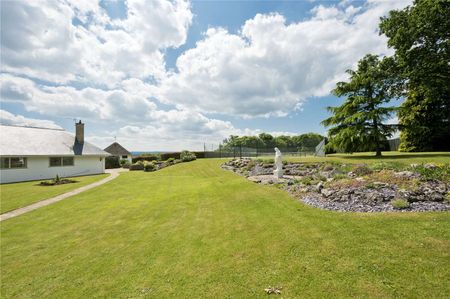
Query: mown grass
[(17, 195), (196, 231)]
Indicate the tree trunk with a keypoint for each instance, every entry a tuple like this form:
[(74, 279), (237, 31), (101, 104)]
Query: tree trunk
[(377, 138), (378, 154)]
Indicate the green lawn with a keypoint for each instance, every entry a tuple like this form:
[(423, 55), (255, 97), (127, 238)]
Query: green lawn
[(196, 231), (17, 195), (388, 157)]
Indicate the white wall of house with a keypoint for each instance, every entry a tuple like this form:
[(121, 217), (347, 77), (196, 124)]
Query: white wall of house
[(128, 157), (38, 168)]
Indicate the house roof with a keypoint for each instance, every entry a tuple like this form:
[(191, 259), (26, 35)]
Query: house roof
[(29, 141), (117, 150)]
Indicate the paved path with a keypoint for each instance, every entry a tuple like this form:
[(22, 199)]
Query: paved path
[(14, 213)]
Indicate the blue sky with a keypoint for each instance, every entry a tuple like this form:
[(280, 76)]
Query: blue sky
[(170, 75)]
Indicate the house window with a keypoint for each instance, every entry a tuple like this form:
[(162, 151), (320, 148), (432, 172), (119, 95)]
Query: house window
[(16, 162), (61, 161), (124, 157), (4, 163), (55, 161), (68, 161)]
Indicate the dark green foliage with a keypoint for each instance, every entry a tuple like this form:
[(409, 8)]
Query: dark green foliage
[(165, 156), (149, 166), (433, 172), (357, 125), (187, 156), (420, 36), (303, 142), (400, 204), (139, 165), (57, 181), (146, 157), (112, 162)]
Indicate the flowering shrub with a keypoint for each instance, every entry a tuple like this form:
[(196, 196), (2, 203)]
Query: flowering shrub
[(187, 156)]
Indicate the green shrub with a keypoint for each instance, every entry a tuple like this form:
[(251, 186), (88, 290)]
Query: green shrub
[(433, 172), (126, 164), (146, 157), (149, 166), (187, 156), (170, 160), (400, 203), (137, 166), (165, 156)]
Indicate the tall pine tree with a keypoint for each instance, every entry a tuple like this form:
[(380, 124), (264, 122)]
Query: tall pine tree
[(359, 123)]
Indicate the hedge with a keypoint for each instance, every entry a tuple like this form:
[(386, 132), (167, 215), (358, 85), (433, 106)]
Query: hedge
[(112, 162)]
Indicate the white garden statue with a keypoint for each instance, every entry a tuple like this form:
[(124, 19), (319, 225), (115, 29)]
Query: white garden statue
[(278, 172)]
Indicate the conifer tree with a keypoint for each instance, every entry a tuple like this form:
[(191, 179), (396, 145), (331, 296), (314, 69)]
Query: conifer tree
[(359, 124)]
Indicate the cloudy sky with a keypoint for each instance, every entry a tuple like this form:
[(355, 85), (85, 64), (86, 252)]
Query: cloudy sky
[(171, 75)]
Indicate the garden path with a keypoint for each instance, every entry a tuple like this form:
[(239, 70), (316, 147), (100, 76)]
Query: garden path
[(14, 213)]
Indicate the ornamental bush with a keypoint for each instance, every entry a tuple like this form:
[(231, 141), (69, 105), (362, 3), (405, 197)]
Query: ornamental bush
[(149, 166), (187, 156), (137, 166), (147, 157), (400, 204)]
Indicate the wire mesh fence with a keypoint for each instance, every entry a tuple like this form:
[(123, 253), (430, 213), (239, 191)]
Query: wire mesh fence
[(242, 152)]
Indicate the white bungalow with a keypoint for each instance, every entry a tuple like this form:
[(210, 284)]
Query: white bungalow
[(28, 153), (118, 151)]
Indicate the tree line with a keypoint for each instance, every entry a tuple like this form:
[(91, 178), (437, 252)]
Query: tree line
[(303, 142), (418, 73)]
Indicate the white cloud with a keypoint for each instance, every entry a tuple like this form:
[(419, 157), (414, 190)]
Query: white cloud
[(77, 41), (174, 131), (74, 61), (67, 101), (270, 67), (131, 116), (8, 118)]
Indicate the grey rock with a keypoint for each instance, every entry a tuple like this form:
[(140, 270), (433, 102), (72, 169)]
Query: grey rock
[(326, 192)]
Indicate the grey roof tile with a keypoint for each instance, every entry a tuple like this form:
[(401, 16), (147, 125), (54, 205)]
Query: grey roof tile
[(27, 141)]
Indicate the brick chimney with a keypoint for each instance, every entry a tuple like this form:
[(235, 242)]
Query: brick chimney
[(79, 132)]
